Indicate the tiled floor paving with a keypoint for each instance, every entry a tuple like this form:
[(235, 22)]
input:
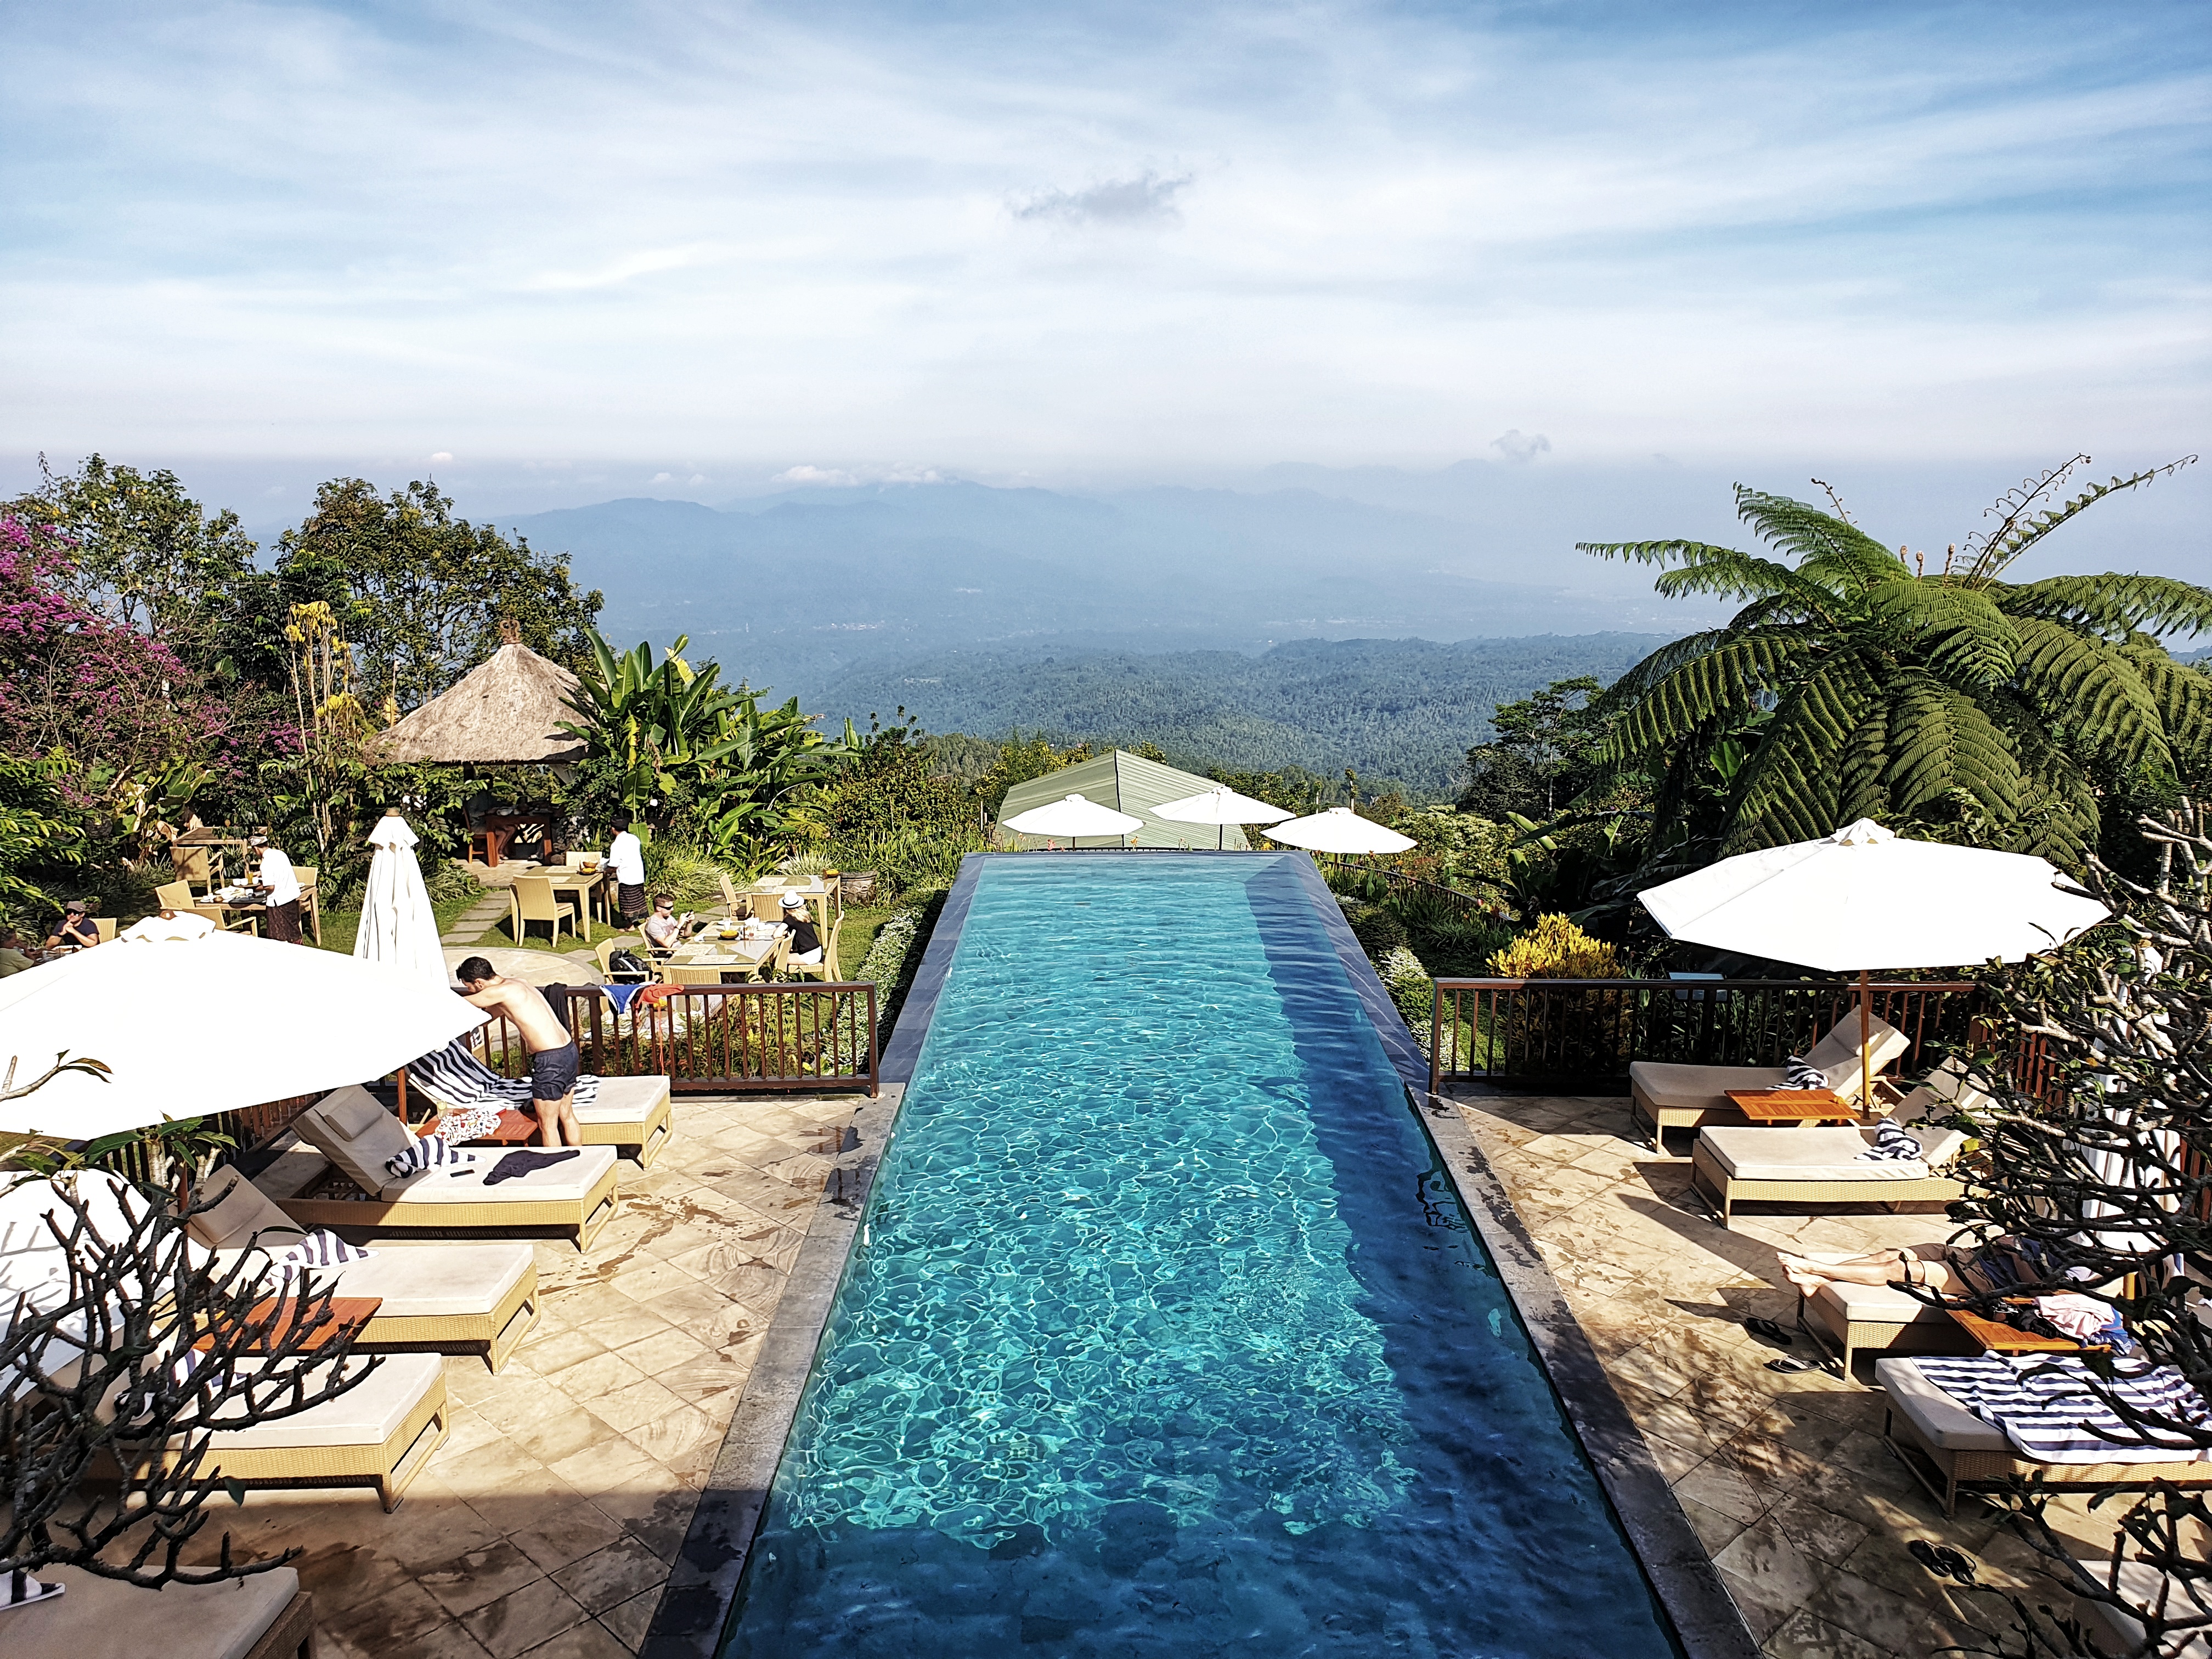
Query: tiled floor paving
[(546, 1524), (1804, 1510)]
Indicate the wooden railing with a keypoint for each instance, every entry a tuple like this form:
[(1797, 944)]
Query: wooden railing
[(1496, 1030), (717, 1039)]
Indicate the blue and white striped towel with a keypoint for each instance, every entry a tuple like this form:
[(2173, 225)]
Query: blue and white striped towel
[(454, 1078), (320, 1248), (427, 1153), (2045, 1408), (1891, 1142)]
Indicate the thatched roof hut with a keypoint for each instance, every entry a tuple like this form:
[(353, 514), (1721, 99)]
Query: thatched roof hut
[(505, 710)]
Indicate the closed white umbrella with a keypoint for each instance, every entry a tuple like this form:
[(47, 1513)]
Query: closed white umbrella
[(1339, 830), (1219, 807), (1864, 898), (397, 927), (1073, 815), (191, 1027)]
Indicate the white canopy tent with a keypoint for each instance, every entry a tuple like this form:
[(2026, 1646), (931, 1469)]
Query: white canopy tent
[(397, 926), (1220, 808), (191, 1027), (1339, 830), (1863, 898), (1074, 815)]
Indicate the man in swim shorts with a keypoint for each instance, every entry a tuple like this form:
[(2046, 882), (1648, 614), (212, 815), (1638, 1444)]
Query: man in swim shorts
[(553, 1059)]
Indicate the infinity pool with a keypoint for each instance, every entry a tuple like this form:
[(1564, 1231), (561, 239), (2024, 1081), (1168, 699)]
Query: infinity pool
[(1166, 1335)]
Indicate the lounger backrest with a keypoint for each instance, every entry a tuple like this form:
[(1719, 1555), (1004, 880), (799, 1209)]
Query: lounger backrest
[(240, 1215), (1838, 1052), (1949, 1088), (356, 1132)]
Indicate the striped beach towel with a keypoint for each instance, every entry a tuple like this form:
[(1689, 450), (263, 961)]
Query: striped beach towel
[(2045, 1408), (454, 1078)]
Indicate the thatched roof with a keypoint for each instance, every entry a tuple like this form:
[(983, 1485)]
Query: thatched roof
[(504, 710)]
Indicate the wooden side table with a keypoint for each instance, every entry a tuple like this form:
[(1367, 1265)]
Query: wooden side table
[(1997, 1337), (348, 1315), (1792, 1106)]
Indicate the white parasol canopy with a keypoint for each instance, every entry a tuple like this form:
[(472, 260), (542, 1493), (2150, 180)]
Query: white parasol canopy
[(397, 927), (1221, 808), (1863, 898), (1339, 830), (191, 1027), (1073, 815)]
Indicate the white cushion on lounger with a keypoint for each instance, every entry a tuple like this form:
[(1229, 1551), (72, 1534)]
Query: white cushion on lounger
[(571, 1178), (294, 1168), (1814, 1154), (624, 1100), (99, 1619), (441, 1281), (367, 1414), (1943, 1423), (1698, 1088), (1877, 1304)]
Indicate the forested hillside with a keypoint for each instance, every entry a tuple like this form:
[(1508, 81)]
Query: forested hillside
[(1401, 710)]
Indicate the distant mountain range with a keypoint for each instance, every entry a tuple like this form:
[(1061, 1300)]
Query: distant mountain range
[(1398, 710), (796, 590)]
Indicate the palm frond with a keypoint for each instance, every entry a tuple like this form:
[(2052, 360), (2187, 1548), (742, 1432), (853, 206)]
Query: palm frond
[(1660, 664), (1861, 768), (1789, 790), (1966, 636), (2019, 527), (2113, 604), (2183, 697), (2086, 683), (1831, 549), (1718, 682), (1946, 742)]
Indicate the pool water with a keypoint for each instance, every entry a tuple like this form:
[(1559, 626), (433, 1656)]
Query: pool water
[(1166, 1334)]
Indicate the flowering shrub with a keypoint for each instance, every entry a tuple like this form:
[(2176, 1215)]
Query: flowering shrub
[(1556, 949)]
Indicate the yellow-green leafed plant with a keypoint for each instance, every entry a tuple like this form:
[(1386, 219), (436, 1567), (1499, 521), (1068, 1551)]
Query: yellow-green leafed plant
[(1556, 949)]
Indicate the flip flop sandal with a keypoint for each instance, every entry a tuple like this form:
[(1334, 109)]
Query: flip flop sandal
[(1786, 1364), (1925, 1552), (1959, 1564), (1767, 1331)]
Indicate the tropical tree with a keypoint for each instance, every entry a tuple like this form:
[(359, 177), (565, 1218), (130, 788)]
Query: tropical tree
[(1546, 752), (666, 740), (1854, 683)]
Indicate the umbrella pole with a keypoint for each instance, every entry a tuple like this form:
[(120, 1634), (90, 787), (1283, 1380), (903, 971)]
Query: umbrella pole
[(1866, 1043), (401, 1075)]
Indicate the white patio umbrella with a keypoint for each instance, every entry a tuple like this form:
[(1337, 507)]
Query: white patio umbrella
[(1339, 830), (397, 927), (1220, 808), (191, 1027), (1864, 898), (1073, 815)]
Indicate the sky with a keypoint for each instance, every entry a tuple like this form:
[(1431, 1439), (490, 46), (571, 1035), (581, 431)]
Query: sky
[(562, 251)]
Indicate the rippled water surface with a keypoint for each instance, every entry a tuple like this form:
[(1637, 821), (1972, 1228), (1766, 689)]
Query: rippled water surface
[(1166, 1336)]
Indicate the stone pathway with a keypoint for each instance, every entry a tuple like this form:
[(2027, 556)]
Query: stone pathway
[(547, 1523), (479, 919), (1785, 1478)]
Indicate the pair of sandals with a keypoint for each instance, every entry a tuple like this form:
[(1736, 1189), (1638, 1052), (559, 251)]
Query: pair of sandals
[(1774, 1337), (1941, 1560)]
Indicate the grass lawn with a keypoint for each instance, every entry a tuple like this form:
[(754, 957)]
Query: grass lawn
[(339, 927)]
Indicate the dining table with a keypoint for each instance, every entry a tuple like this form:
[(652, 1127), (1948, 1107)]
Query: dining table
[(745, 957), (817, 894), (593, 888)]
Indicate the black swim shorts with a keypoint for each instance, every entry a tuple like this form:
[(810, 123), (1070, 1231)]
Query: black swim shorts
[(553, 1072)]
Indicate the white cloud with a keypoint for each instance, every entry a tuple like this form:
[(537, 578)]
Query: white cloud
[(662, 477), (442, 458), (1521, 448), (1145, 198), (813, 475)]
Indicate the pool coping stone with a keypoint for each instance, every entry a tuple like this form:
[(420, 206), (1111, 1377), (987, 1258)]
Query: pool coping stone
[(694, 1612)]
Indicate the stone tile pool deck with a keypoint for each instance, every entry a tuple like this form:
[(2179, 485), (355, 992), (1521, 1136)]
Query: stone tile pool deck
[(548, 1523), (1785, 1478)]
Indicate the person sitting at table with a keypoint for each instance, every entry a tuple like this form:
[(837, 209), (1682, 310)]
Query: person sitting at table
[(664, 929), (626, 858), (806, 939), (277, 875), (554, 1061), (13, 956), (77, 931)]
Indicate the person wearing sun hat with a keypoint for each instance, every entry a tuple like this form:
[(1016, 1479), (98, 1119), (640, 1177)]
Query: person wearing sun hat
[(805, 940)]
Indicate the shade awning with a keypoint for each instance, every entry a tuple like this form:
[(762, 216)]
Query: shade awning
[(1222, 806), (1339, 830), (507, 710), (1073, 815)]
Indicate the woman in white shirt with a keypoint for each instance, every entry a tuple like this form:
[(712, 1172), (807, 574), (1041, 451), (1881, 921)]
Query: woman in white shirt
[(282, 920), (626, 858)]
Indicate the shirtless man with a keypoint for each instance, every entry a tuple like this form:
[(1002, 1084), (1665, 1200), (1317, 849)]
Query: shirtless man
[(553, 1059)]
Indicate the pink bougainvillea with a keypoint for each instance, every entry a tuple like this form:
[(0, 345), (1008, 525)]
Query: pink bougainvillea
[(75, 681)]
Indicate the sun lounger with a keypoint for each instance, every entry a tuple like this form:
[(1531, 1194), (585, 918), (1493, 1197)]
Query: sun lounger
[(631, 1114), (327, 1170), (1950, 1450), (1849, 1321), (1816, 1167), (267, 1616), (379, 1433), (1671, 1097), (479, 1298)]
